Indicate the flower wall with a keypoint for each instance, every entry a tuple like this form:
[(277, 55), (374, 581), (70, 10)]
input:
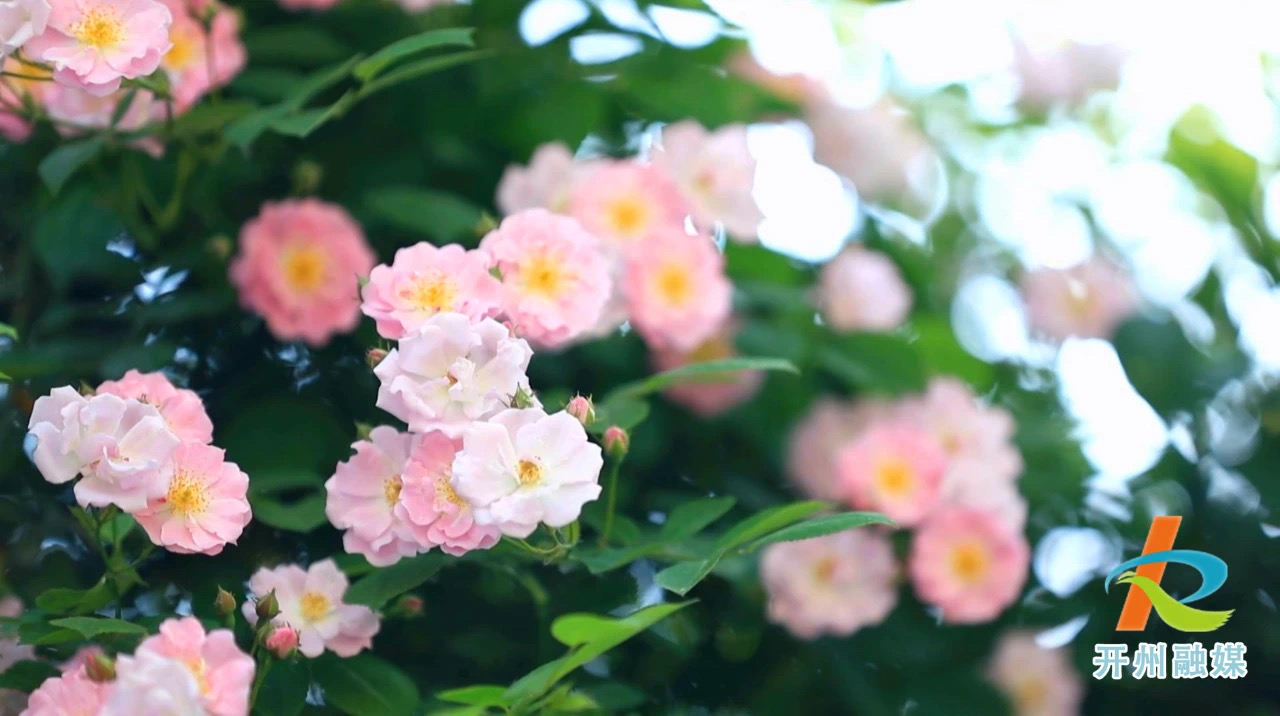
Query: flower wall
[(388, 357)]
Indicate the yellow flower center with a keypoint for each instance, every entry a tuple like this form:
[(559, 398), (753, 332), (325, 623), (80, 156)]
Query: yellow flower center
[(445, 491), (186, 48), (674, 284), (825, 569), (544, 276), (970, 562), (433, 293), (628, 216), (529, 473), (314, 606), (894, 477), (197, 668), (1030, 695), (304, 268), (100, 28), (187, 495), (391, 490)]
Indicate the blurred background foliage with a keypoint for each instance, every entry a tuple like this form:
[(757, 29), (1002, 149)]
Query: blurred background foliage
[(125, 267)]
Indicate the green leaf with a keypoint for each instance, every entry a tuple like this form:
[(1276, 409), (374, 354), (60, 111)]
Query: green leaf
[(478, 695), (92, 627), (272, 480), (707, 371), (382, 585), (762, 523), (309, 120), (684, 576), (8, 331), (245, 130), (75, 601), (880, 362), (421, 68), (621, 411), (438, 215), (60, 164), (26, 676), (302, 515), (303, 43), (71, 238), (284, 689), (365, 684), (690, 518), (590, 635), (819, 526), (380, 60)]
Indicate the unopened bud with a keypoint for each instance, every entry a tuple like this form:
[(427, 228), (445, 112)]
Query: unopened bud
[(100, 668), (375, 356), (221, 247), (267, 607), (582, 409), (307, 176), (616, 442), (224, 604), (283, 641), (524, 398), (408, 605)]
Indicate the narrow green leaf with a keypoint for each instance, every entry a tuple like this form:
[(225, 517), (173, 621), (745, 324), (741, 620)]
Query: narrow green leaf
[(75, 601), (60, 164), (620, 410), (762, 523), (881, 362), (707, 371), (421, 68), (819, 526), (684, 576), (380, 60), (478, 695), (365, 684), (690, 518), (382, 585), (91, 627)]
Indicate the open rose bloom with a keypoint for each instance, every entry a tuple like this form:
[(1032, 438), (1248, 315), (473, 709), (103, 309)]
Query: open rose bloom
[(311, 602), (94, 44)]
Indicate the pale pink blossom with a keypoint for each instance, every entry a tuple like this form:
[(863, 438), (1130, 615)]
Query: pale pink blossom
[(816, 441), (582, 409), (425, 280), (282, 642), (716, 393), (968, 563), (441, 517), (624, 202), (1057, 71), (555, 276), (1037, 681), (72, 693), (895, 468), (835, 584), (420, 5), (119, 446), (677, 292), (364, 496), (205, 507), (94, 44), (863, 290), (21, 20), (223, 673), (546, 183), (199, 61), (298, 268), (307, 4), (451, 372), (311, 602), (183, 411), (1089, 300), (11, 652), (796, 88), (877, 148), (523, 467), (716, 172), (153, 684)]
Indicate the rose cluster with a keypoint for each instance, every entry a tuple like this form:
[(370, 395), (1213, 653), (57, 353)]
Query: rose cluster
[(181, 670), (941, 463), (143, 445), (68, 59)]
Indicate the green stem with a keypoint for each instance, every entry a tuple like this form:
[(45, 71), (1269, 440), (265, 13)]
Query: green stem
[(21, 76), (613, 500), (259, 678)]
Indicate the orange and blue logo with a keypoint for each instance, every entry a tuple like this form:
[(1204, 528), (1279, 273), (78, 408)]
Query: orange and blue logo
[(1143, 575)]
